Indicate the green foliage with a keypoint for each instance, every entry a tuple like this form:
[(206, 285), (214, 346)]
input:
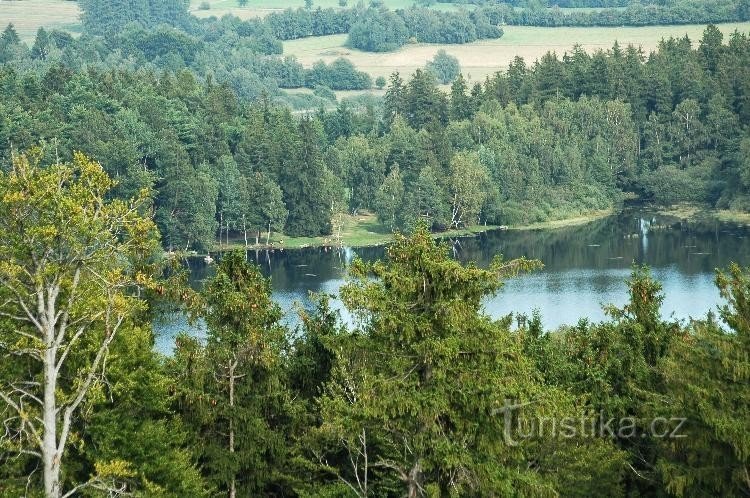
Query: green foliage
[(338, 75), (636, 13), (378, 30), (187, 208), (445, 67), (102, 17), (707, 374), (93, 410), (415, 401), (425, 396), (231, 392)]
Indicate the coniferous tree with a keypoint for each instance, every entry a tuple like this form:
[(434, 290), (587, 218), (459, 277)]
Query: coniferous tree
[(461, 106), (707, 375), (232, 390), (304, 186)]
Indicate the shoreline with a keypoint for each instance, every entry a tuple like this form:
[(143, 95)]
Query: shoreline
[(693, 212), (356, 235), (364, 230)]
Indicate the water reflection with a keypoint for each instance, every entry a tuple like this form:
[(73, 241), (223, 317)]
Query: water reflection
[(585, 267)]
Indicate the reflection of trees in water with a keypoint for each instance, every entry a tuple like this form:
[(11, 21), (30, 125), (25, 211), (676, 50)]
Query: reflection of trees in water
[(614, 242)]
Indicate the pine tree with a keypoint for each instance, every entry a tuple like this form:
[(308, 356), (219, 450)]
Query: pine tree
[(42, 45), (303, 180), (461, 105), (231, 392), (394, 103), (9, 37), (707, 375), (425, 104), (417, 401)]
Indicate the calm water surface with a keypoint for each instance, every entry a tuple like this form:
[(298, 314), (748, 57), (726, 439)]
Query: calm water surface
[(585, 267)]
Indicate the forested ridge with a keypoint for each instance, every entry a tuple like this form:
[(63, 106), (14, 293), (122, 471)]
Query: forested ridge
[(548, 140), (425, 396)]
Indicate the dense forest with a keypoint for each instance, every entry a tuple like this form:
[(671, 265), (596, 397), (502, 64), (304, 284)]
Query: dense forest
[(616, 13), (552, 139), (426, 396)]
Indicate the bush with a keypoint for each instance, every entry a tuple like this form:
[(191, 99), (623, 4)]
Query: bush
[(324, 92), (339, 75)]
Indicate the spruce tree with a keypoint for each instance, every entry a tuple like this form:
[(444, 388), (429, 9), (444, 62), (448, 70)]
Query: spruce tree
[(232, 390)]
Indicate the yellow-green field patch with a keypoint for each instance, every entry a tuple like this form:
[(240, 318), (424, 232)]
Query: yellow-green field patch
[(485, 57), (29, 15)]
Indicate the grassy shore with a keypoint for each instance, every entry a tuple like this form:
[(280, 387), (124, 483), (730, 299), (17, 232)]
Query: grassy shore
[(362, 230), (261, 8), (566, 222), (365, 230), (696, 212)]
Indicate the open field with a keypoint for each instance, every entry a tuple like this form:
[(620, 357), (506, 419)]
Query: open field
[(260, 8), (29, 15), (485, 57), (566, 222)]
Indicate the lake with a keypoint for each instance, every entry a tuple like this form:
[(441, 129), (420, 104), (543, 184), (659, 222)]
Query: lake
[(585, 267)]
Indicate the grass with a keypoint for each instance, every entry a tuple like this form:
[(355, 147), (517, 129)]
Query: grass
[(566, 222), (29, 15), (483, 58), (362, 230), (694, 212), (365, 230)]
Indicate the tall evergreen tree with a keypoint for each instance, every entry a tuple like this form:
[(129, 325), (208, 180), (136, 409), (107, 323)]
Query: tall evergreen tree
[(303, 179), (707, 374), (231, 391)]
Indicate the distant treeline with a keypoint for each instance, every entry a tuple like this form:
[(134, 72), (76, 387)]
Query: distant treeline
[(377, 29), (635, 13), (565, 4), (380, 30)]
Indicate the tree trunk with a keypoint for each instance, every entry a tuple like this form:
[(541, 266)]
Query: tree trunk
[(221, 227), (50, 459), (413, 480), (268, 235), (233, 483)]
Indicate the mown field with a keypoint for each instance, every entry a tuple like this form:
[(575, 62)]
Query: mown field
[(485, 57), (28, 15)]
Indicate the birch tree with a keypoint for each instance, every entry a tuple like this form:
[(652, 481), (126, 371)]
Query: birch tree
[(69, 266), (468, 187)]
